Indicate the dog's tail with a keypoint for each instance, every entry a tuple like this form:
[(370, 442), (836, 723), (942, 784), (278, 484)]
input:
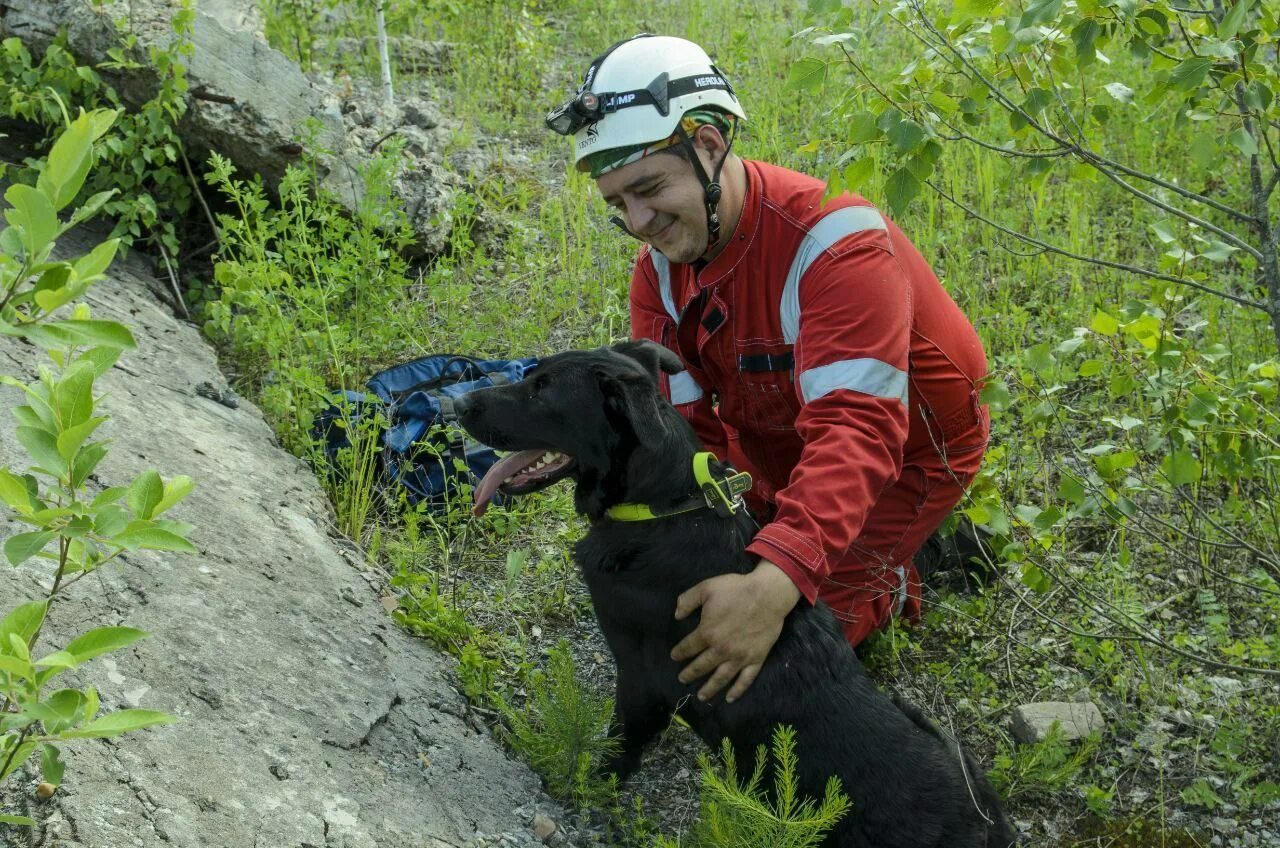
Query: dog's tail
[(1000, 831)]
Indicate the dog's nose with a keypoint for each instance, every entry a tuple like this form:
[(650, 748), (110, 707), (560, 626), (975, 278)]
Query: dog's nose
[(461, 404)]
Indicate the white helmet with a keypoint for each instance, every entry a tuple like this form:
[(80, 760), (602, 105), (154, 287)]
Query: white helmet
[(636, 92)]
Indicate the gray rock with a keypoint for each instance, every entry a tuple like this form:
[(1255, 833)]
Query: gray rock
[(1031, 722), (302, 716), (246, 100)]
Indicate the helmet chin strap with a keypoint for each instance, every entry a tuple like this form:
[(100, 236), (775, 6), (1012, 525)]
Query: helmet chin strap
[(711, 190)]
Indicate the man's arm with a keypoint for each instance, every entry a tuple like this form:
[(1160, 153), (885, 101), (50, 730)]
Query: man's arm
[(851, 366)]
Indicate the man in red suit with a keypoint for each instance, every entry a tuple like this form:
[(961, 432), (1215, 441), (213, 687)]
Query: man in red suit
[(821, 353)]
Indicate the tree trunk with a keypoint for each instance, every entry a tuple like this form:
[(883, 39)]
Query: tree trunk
[(384, 56)]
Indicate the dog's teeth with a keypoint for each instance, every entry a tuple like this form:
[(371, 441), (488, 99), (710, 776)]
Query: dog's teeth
[(548, 456)]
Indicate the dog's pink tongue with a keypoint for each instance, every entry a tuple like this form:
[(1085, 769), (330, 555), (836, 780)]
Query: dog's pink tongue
[(501, 470)]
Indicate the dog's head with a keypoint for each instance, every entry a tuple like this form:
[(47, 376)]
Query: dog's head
[(580, 414)]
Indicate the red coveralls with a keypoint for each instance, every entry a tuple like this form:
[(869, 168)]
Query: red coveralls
[(823, 356)]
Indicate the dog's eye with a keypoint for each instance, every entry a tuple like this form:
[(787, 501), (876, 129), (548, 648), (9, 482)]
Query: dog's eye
[(539, 383)]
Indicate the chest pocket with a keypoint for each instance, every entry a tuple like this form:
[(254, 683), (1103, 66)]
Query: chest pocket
[(766, 387)]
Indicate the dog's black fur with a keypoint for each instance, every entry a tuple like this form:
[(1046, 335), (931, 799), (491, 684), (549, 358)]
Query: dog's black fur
[(910, 785)]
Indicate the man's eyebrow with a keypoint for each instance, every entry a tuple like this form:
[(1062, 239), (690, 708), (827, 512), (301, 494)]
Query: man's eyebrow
[(633, 185)]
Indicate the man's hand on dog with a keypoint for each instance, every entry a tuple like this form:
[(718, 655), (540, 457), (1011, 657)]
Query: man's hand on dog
[(742, 615)]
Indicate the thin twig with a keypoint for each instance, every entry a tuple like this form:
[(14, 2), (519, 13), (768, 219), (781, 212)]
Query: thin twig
[(1106, 263), (173, 279)]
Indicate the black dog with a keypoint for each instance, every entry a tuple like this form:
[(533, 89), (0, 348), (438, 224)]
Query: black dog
[(597, 416)]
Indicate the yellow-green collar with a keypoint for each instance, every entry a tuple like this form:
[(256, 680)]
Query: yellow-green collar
[(723, 495)]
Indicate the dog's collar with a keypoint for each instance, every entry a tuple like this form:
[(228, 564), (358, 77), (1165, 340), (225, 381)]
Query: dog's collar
[(724, 495)]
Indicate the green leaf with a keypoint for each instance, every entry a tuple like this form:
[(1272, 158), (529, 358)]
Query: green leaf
[(1119, 91), (144, 493), (102, 640), (16, 759), (901, 188), (90, 207), (1035, 579), (23, 621), (60, 711), (1233, 19), (70, 159), (34, 215), (808, 74), (1085, 37), (1104, 324), (58, 659), (14, 493), (963, 11), (152, 538), (858, 172), (87, 460), (862, 127), (110, 520), (1244, 141), (121, 721), (20, 821), (1219, 251), (905, 135), (91, 266), (20, 669), (22, 547), (72, 438), (51, 765), (1037, 101), (72, 396), (175, 490), (1040, 12), (93, 332), (1190, 73), (1181, 467), (109, 495), (42, 447)]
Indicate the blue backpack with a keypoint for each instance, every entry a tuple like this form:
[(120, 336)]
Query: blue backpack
[(423, 451)]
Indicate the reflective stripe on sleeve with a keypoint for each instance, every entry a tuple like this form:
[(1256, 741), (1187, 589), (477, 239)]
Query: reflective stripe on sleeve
[(869, 376), (825, 233), (684, 389)]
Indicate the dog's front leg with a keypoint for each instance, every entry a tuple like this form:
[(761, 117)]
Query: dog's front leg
[(639, 714)]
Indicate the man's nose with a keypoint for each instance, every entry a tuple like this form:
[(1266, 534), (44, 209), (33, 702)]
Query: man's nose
[(639, 216)]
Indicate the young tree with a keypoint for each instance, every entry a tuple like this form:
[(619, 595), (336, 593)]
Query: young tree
[(1058, 72)]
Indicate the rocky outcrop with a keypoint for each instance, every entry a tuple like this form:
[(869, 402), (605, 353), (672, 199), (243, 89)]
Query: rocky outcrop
[(253, 104), (305, 717)]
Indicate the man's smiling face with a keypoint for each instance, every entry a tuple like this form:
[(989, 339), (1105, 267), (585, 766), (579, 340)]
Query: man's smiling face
[(661, 201)]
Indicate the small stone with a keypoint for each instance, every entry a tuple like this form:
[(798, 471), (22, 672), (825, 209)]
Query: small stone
[(543, 826), (45, 791), (280, 771), (1031, 722)]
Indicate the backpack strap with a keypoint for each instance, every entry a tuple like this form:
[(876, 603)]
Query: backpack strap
[(453, 432)]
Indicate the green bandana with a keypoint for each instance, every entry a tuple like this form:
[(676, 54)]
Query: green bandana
[(605, 161)]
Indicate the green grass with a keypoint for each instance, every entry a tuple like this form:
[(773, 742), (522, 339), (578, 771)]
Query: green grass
[(553, 274)]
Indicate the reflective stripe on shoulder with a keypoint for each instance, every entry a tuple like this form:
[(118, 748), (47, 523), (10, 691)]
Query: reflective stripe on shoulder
[(684, 389), (663, 268), (869, 376), (825, 233)]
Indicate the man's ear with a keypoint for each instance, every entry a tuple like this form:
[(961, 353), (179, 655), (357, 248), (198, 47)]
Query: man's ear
[(651, 355)]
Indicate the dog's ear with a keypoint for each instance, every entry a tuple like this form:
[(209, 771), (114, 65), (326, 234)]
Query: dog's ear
[(629, 394), (651, 356)]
